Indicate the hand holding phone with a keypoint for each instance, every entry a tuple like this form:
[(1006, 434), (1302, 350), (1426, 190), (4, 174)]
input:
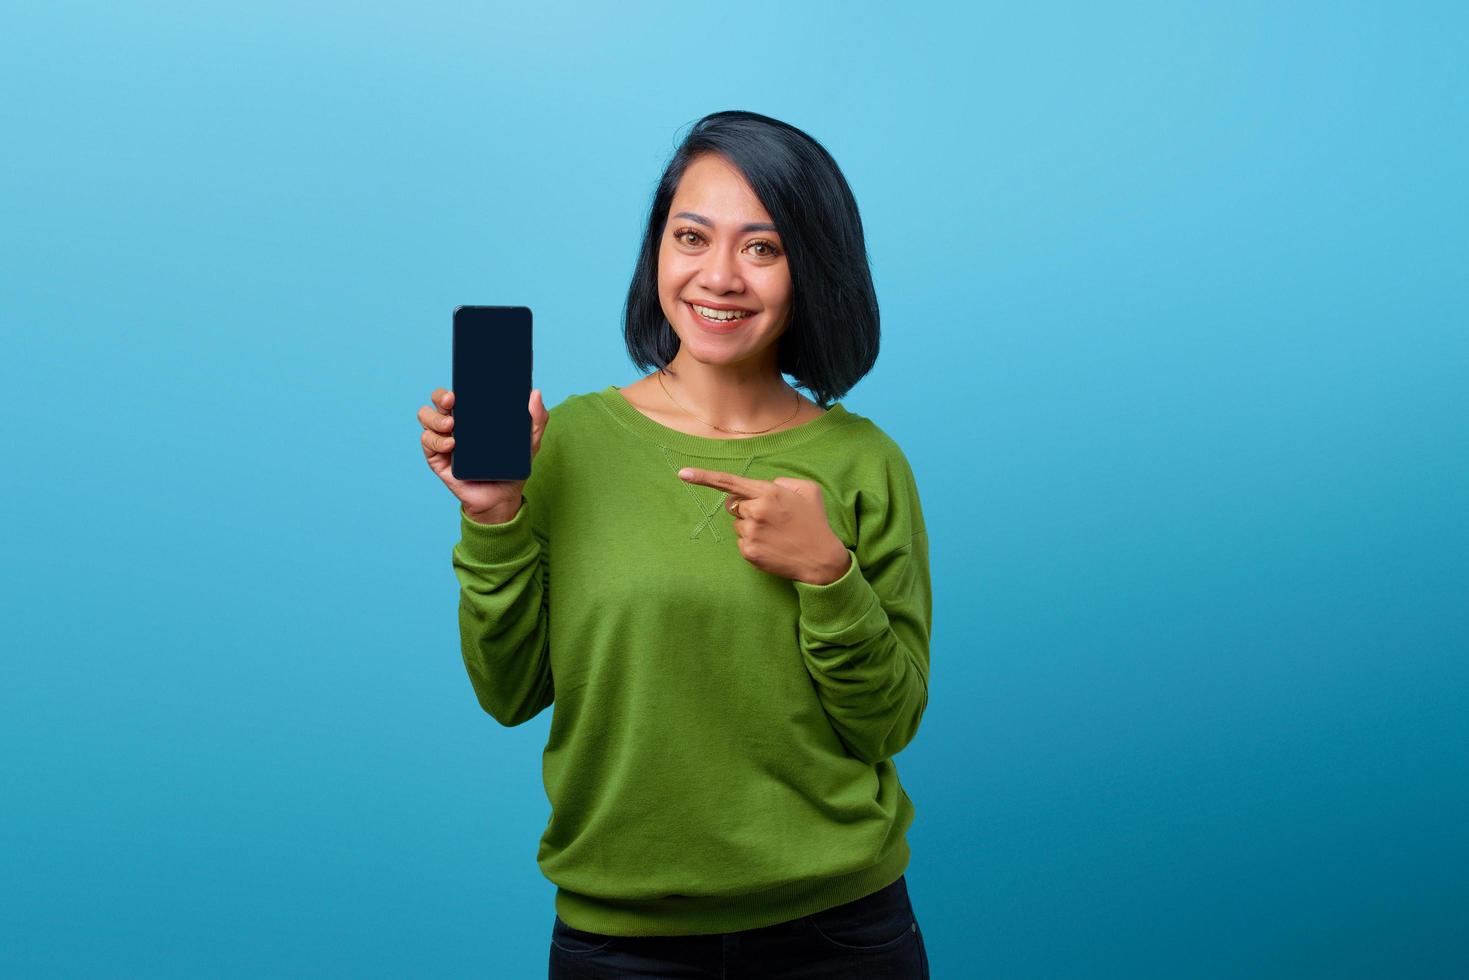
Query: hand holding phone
[(485, 501)]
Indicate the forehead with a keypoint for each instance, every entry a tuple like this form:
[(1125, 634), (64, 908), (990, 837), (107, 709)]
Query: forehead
[(712, 187)]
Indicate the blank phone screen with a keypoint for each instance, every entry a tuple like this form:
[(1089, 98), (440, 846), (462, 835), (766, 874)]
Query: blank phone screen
[(492, 385)]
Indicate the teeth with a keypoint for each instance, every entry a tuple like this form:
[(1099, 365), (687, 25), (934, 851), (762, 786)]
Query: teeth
[(718, 314)]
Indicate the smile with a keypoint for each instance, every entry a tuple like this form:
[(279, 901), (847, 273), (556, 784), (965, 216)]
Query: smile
[(723, 321)]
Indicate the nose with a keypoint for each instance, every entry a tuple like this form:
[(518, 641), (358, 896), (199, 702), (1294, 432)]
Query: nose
[(720, 273)]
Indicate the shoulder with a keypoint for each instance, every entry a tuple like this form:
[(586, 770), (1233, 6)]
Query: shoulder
[(888, 489), (564, 420), (873, 443), (572, 407), (577, 402)]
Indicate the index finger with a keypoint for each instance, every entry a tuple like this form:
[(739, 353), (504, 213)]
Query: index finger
[(740, 486)]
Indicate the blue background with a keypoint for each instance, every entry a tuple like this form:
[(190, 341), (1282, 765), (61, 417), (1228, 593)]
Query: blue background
[(1174, 338)]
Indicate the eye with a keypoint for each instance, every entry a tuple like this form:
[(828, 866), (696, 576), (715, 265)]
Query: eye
[(771, 249)]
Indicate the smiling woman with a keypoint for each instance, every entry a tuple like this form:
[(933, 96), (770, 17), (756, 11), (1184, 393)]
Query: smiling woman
[(736, 646), (751, 216)]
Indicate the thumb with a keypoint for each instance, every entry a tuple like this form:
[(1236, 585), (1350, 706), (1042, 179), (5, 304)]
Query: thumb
[(539, 417)]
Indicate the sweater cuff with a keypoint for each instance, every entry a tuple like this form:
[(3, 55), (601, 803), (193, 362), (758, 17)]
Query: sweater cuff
[(834, 606), (498, 542)]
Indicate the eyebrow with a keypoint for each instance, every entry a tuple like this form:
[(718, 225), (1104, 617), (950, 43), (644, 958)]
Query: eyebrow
[(752, 226)]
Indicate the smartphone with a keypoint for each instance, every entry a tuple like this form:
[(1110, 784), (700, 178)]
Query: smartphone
[(492, 385)]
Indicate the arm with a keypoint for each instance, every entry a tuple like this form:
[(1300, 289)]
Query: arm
[(865, 636), (504, 621)]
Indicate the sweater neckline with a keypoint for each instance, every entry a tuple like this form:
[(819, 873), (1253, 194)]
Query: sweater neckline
[(612, 399)]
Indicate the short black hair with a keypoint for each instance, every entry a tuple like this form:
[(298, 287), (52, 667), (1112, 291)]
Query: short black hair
[(831, 341)]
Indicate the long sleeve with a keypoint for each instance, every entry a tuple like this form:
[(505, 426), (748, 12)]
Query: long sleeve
[(865, 637), (504, 613), (705, 762)]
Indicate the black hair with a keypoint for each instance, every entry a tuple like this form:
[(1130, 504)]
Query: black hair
[(831, 341)]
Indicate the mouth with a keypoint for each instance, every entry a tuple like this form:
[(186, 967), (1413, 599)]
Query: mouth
[(718, 326)]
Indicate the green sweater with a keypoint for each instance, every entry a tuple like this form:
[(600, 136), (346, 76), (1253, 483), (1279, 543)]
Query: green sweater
[(721, 747)]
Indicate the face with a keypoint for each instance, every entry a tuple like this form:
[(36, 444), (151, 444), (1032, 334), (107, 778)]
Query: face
[(708, 255)]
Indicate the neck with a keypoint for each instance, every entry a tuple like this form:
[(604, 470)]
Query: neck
[(727, 396)]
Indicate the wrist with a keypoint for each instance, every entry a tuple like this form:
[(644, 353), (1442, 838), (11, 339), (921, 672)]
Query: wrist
[(832, 569), (495, 515)]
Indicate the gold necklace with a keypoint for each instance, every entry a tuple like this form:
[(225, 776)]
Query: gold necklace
[(721, 428)]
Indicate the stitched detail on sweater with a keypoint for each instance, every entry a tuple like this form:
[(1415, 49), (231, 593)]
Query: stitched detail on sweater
[(697, 493)]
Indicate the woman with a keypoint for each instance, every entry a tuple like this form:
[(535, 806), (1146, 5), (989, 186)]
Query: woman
[(736, 643)]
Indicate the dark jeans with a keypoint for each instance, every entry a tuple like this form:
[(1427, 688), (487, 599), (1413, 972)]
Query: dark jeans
[(876, 936)]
